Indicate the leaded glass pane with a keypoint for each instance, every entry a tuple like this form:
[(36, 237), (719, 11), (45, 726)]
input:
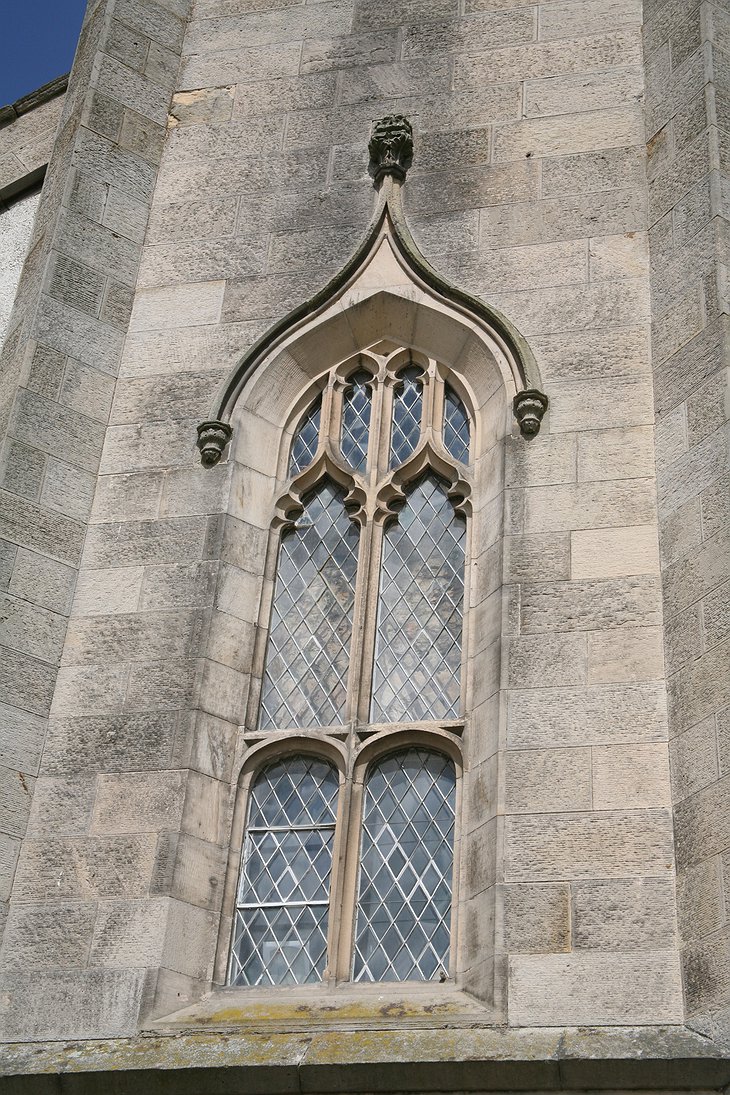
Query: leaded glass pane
[(407, 406), (356, 406), (308, 653), (404, 889), (280, 930), (456, 426), (418, 644), (304, 445)]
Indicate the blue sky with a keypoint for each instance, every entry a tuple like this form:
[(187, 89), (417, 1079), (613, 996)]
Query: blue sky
[(37, 43)]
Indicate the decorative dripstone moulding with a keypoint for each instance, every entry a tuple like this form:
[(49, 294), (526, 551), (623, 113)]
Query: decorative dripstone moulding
[(529, 407), (391, 148), (212, 439), (391, 155)]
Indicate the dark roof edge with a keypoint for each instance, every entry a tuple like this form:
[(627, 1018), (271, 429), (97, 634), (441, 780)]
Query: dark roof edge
[(33, 99)]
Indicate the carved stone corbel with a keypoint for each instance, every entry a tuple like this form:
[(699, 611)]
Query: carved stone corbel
[(529, 407), (213, 437), (391, 148)]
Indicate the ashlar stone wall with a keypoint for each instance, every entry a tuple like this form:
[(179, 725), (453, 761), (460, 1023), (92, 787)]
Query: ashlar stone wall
[(528, 189)]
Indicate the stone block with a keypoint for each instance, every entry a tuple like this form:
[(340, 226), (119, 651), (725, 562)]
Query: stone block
[(22, 735), (702, 824), (46, 371), (346, 52), (623, 403), (581, 18), (682, 638), (535, 918), (29, 629), (162, 686), (9, 850), (124, 45), (574, 94), (196, 870), (627, 777), (625, 654), (707, 972), (142, 136), (682, 374), (89, 689), (545, 311), (694, 759), (548, 460), (482, 31), (700, 688), (81, 337), (589, 355), (97, 247), (107, 592), (537, 558), (534, 265), (163, 23), (547, 780), (77, 285), (580, 989), (624, 915), (22, 469), (488, 186), (43, 581), (189, 586), (593, 715), (62, 1005), (542, 661), (177, 306), (588, 506), (123, 496), (57, 431), (68, 489), (216, 69), (201, 219), (691, 473), (125, 215), (26, 682), (615, 454), (716, 615), (569, 134), (118, 743), (706, 408), (560, 847), (145, 543), (590, 605), (85, 868), (190, 941), (16, 790), (129, 933), (61, 806), (49, 936), (196, 491), (138, 802), (697, 574), (199, 260), (595, 53), (87, 391), (481, 858), (132, 637), (612, 552), (700, 903)]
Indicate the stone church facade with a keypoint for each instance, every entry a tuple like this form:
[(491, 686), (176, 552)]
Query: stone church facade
[(363, 400)]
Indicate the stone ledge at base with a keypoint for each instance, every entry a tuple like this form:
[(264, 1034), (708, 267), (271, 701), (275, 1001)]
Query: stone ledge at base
[(387, 1060)]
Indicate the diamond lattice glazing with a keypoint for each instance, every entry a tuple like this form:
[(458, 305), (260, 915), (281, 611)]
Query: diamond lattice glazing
[(407, 407), (308, 654), (280, 930), (456, 426), (304, 445), (418, 645), (356, 407), (404, 889)]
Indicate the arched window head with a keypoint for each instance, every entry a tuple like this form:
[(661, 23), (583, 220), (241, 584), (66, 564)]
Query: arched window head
[(365, 637)]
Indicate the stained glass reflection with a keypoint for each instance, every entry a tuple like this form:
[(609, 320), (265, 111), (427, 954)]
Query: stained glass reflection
[(280, 930), (420, 610), (308, 653), (407, 408), (304, 445), (356, 406), (456, 426), (407, 857)]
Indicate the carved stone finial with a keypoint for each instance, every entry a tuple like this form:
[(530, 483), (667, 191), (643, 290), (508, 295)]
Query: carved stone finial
[(529, 407), (391, 148), (212, 440)]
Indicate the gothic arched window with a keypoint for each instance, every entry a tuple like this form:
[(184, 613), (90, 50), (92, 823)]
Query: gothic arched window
[(364, 650)]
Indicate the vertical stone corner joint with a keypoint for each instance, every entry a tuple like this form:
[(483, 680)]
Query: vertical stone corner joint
[(391, 148), (529, 407), (212, 439)]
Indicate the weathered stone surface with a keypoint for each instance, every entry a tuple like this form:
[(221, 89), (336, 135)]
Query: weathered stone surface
[(536, 918), (611, 552), (612, 844), (624, 915), (547, 780), (582, 988), (590, 605), (138, 803), (85, 868), (596, 715), (48, 936), (630, 777), (627, 654), (61, 1005)]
